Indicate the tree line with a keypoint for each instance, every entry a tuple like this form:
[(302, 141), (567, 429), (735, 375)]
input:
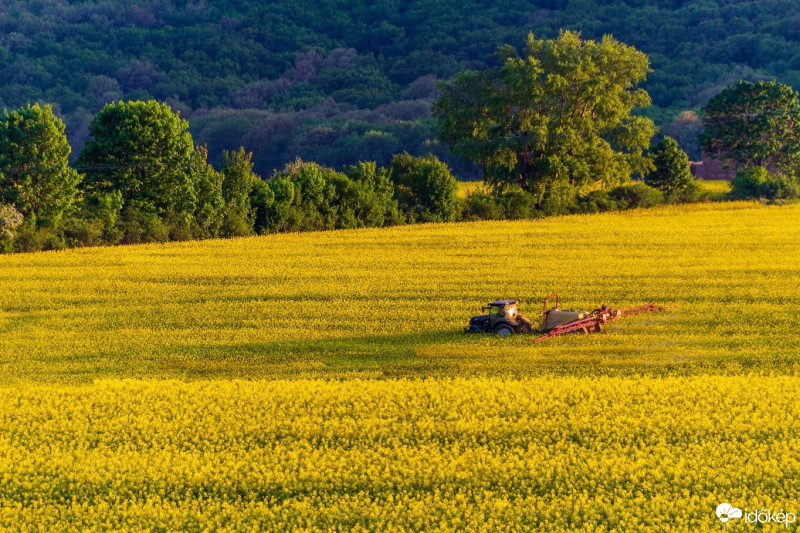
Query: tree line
[(553, 129), (141, 178)]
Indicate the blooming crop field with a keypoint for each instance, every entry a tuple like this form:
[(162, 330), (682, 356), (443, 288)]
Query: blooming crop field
[(322, 380)]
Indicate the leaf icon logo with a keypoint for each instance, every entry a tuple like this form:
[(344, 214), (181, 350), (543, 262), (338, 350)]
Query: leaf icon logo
[(726, 511)]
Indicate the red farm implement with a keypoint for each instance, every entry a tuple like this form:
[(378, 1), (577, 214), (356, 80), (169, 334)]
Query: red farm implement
[(504, 319)]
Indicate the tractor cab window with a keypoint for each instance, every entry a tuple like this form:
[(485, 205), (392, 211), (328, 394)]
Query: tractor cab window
[(495, 310)]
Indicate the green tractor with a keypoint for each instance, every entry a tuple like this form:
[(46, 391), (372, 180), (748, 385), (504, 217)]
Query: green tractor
[(503, 318)]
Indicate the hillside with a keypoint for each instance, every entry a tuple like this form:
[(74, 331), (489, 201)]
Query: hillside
[(358, 404), (340, 81)]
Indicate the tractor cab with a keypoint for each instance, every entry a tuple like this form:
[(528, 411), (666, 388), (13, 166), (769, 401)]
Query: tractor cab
[(502, 309), (503, 318)]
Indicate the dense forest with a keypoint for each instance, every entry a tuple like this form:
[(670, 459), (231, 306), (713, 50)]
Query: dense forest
[(338, 81)]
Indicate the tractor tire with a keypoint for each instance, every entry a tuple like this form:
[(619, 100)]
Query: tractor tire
[(503, 330)]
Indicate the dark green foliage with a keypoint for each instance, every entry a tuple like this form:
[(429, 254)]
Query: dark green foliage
[(510, 203), (634, 195), (596, 202), (85, 231), (628, 196), (310, 61), (694, 192), (517, 203), (32, 239), (34, 176), (209, 208), (307, 196), (425, 188), (555, 120), (262, 201), (671, 173), (758, 182), (754, 125), (751, 183), (140, 226), (237, 185), (514, 203), (481, 204), (371, 196), (142, 154)]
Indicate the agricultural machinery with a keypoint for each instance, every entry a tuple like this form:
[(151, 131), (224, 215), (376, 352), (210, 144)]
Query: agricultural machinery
[(504, 318)]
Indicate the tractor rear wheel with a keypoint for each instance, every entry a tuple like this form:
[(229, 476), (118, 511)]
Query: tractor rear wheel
[(503, 330)]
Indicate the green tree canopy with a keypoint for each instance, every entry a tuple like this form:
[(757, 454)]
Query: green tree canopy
[(672, 174), (558, 115), (308, 196), (34, 172), (237, 184), (208, 189), (142, 151), (754, 125), (425, 188)]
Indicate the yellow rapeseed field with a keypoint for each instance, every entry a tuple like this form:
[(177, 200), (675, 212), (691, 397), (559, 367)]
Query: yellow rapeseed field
[(322, 381), (537, 454)]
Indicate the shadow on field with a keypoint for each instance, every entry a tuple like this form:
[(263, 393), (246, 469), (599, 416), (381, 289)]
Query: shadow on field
[(425, 354), (372, 356), (410, 355)]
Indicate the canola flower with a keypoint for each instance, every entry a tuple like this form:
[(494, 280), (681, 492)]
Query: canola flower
[(393, 301), (587, 454), (321, 381)]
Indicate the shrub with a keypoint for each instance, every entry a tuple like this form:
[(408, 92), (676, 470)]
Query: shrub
[(80, 231), (637, 194), (758, 182), (141, 226), (693, 192), (481, 205), (517, 203), (237, 185), (595, 202), (32, 239)]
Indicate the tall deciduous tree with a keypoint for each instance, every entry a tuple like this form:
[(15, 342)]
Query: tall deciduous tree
[(558, 117), (34, 172), (142, 151), (754, 125)]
